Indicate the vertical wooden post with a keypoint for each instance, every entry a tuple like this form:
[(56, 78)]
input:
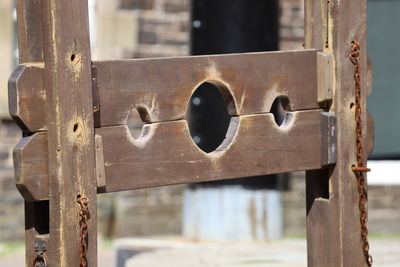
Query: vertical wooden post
[(333, 224), (30, 39), (30, 46), (70, 128)]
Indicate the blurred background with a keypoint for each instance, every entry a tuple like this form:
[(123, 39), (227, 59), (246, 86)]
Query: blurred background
[(268, 212)]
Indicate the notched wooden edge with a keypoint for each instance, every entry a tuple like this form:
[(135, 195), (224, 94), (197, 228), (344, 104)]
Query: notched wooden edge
[(31, 167), (328, 139), (28, 96), (325, 79), (25, 85)]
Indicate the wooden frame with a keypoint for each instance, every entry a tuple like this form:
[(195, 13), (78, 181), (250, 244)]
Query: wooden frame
[(73, 112), (333, 223)]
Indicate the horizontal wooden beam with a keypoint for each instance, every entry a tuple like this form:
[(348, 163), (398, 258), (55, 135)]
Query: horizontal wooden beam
[(165, 154), (161, 88)]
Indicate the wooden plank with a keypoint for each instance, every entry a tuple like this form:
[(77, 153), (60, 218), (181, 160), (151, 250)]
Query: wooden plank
[(161, 88), (30, 41), (333, 224), (67, 79), (165, 153), (164, 86), (31, 167), (25, 92), (30, 44), (100, 172), (316, 24)]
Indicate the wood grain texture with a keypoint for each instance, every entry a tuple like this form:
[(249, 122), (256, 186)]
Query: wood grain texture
[(67, 79), (161, 88), (25, 92), (30, 41), (165, 153), (31, 167), (333, 227), (30, 46)]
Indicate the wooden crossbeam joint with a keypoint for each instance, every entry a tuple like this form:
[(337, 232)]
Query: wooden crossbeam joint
[(325, 79), (118, 86), (257, 147), (308, 141)]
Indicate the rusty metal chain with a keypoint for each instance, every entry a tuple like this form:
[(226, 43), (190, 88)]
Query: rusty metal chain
[(360, 169), (84, 233)]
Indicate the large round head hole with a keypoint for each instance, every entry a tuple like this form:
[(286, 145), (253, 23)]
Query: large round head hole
[(280, 108), (135, 122), (208, 117)]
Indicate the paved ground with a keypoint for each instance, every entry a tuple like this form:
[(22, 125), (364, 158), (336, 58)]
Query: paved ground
[(178, 253)]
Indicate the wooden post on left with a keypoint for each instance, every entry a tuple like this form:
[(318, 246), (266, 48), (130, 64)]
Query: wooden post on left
[(56, 33), (68, 83), (30, 45)]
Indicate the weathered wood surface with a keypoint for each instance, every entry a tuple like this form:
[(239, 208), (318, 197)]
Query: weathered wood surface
[(30, 44), (161, 88), (164, 86), (31, 167), (71, 147), (26, 102), (30, 41), (165, 153), (333, 224), (316, 24)]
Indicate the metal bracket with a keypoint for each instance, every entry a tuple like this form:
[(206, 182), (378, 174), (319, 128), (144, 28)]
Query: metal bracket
[(100, 171), (40, 247), (95, 90), (328, 139), (95, 97)]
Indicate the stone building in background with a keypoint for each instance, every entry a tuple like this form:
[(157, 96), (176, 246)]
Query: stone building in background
[(153, 28)]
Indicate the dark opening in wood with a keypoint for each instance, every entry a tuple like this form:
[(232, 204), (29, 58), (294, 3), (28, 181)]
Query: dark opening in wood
[(135, 121), (280, 108), (208, 116), (76, 127), (37, 216), (317, 186)]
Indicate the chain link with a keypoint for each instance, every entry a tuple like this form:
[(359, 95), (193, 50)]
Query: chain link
[(84, 233), (39, 261), (360, 169)]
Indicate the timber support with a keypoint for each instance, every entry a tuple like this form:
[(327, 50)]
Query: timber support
[(73, 112)]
